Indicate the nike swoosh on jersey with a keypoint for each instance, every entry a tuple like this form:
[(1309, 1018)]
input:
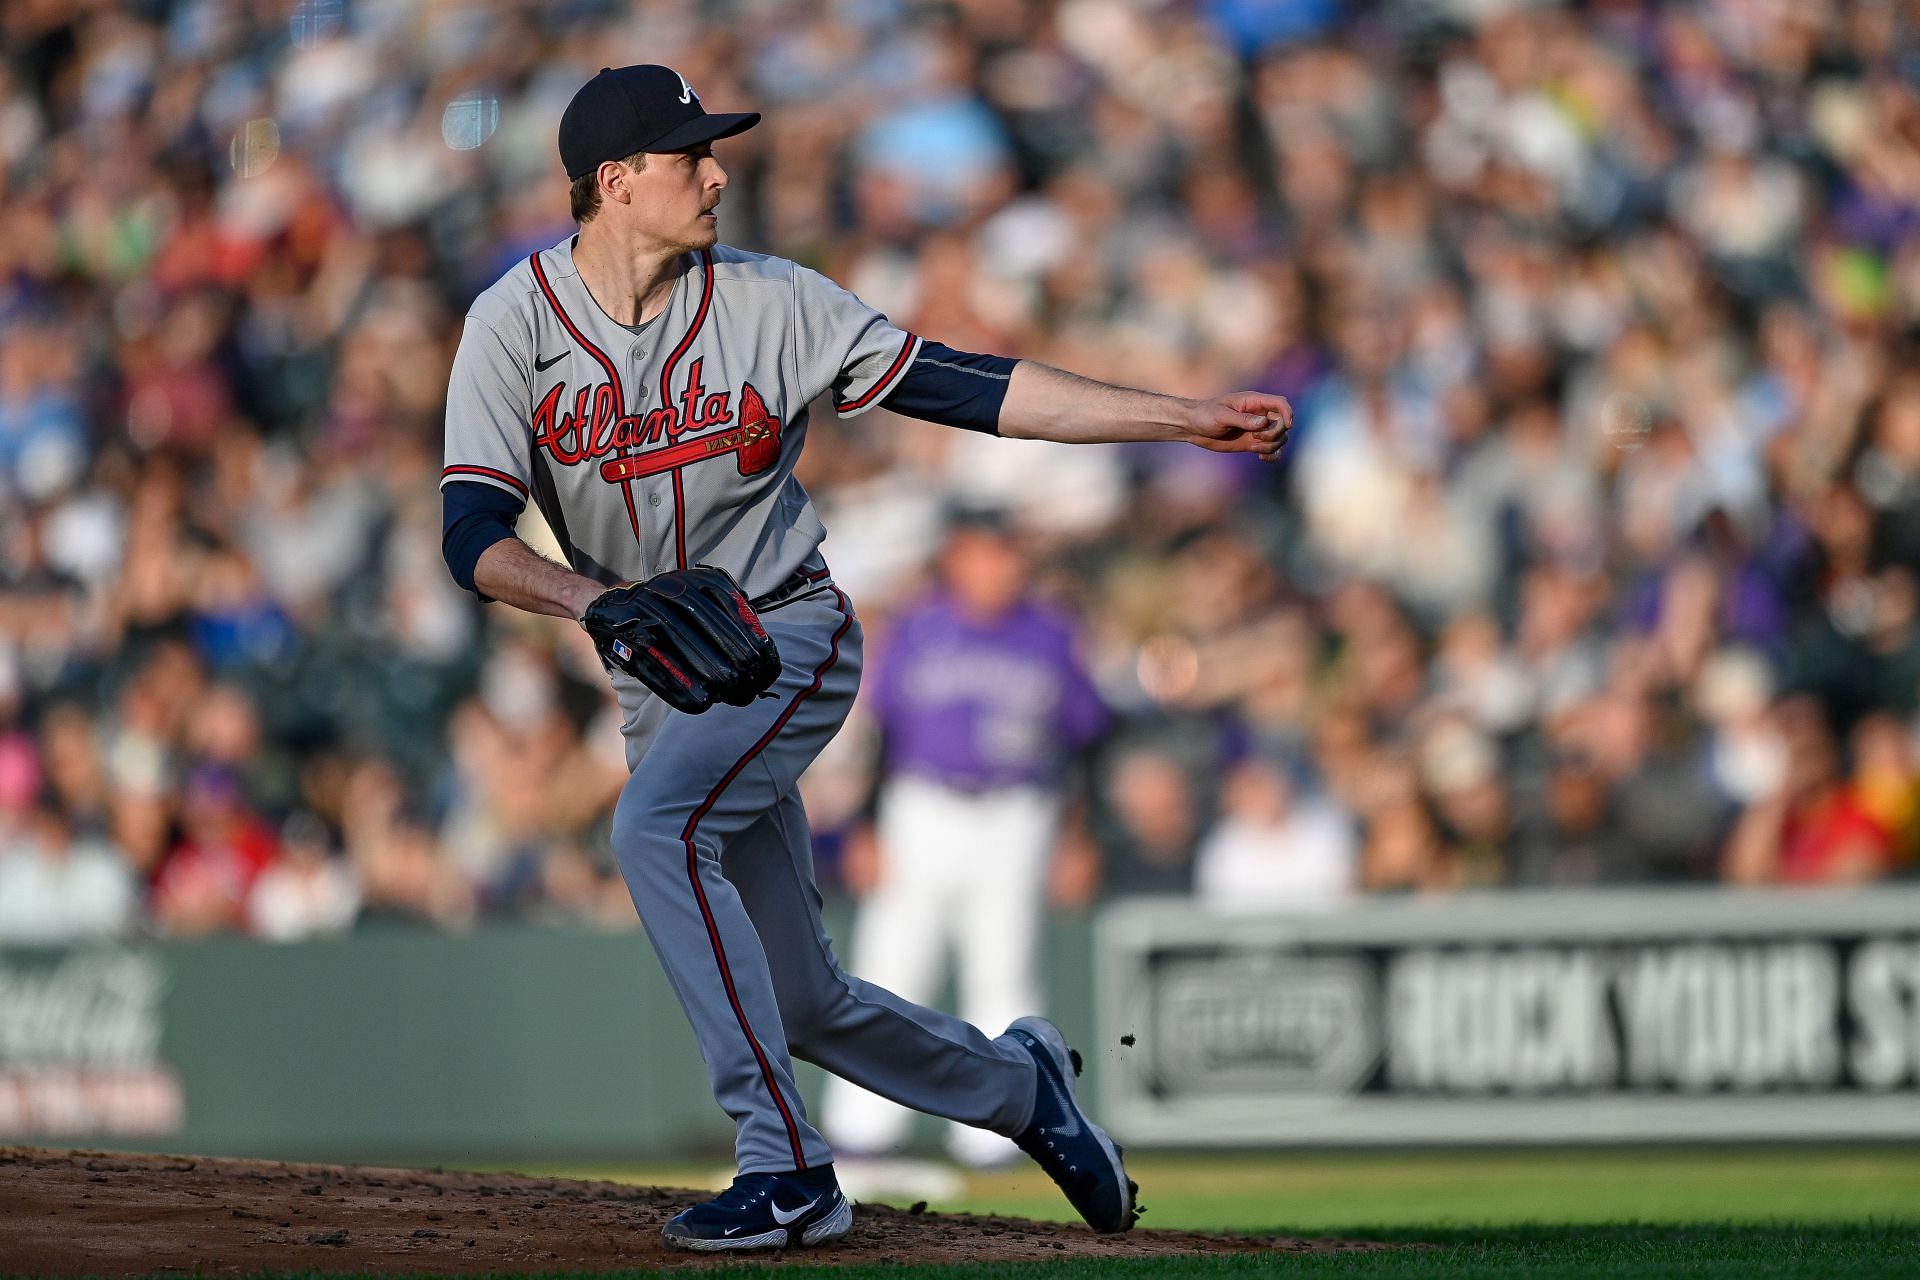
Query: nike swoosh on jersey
[(784, 1216), (541, 366)]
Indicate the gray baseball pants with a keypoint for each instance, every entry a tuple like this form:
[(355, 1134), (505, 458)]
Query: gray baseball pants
[(712, 839)]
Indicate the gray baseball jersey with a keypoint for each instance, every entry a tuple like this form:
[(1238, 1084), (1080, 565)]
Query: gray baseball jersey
[(676, 446)]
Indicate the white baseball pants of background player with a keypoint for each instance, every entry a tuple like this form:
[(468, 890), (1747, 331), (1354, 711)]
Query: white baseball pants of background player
[(963, 874), (713, 842)]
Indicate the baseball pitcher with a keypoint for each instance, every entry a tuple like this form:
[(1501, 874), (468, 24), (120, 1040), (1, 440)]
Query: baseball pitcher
[(647, 388)]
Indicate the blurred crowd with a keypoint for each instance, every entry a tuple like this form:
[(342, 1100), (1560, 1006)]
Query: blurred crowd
[(1593, 559)]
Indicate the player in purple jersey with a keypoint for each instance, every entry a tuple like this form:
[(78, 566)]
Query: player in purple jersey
[(982, 701)]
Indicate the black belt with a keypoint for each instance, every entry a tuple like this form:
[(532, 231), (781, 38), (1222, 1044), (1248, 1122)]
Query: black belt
[(804, 582)]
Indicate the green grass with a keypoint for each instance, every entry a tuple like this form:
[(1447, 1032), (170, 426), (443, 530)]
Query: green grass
[(1512, 1253), (1330, 1192), (1609, 1253)]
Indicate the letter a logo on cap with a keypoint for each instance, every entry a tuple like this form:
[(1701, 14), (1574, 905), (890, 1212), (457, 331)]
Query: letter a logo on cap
[(687, 94)]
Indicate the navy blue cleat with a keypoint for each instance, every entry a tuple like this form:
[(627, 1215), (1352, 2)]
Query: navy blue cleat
[(1076, 1153), (765, 1211)]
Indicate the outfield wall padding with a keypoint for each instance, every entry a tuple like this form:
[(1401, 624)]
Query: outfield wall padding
[(509, 1044)]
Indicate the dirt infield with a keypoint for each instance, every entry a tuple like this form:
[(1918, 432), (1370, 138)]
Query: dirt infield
[(89, 1213)]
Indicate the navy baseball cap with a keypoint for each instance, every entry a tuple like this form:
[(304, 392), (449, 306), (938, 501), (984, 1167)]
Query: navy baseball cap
[(981, 517), (645, 108)]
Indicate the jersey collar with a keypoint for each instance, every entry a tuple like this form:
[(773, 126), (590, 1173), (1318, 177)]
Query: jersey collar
[(690, 266)]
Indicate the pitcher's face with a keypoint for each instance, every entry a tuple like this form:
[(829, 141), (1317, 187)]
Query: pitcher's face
[(675, 197)]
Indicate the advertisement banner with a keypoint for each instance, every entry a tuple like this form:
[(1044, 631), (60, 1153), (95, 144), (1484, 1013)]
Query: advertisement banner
[(403, 1046), (80, 1047), (1637, 1016)]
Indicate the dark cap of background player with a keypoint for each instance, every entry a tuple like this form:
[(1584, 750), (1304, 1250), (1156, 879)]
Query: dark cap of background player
[(645, 108), (978, 517)]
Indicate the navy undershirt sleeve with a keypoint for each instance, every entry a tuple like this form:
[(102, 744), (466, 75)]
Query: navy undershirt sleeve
[(953, 388), (474, 516)]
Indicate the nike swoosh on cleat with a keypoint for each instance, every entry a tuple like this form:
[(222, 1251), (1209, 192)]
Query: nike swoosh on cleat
[(784, 1216), (541, 366), (731, 1231), (1071, 1129)]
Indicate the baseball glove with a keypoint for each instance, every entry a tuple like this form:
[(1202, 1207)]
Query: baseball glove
[(689, 635)]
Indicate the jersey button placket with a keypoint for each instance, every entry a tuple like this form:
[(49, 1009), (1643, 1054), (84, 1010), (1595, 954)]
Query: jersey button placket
[(637, 379), (660, 546)]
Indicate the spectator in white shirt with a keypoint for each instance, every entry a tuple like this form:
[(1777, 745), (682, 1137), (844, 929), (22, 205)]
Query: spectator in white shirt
[(1275, 848), (56, 888), (308, 892)]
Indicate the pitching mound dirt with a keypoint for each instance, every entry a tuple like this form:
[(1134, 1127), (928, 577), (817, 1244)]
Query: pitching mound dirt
[(89, 1213)]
